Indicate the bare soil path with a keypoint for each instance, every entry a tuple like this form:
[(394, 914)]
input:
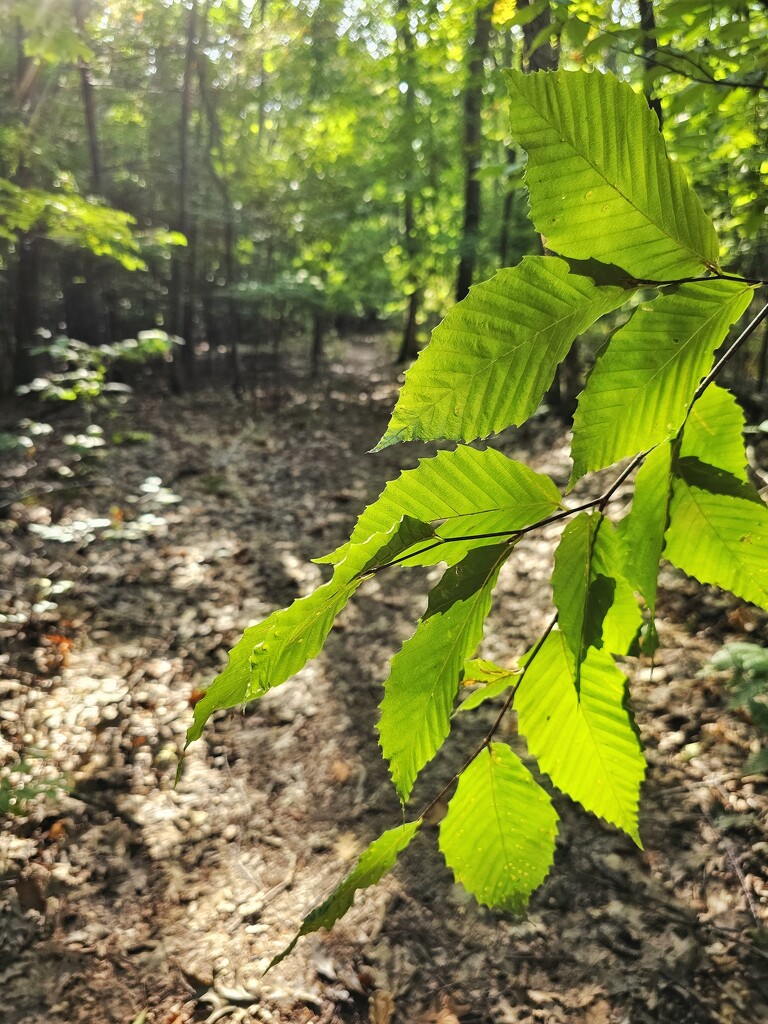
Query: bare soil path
[(126, 896)]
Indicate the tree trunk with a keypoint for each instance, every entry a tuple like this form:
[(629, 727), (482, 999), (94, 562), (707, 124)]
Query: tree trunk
[(546, 56), (89, 107), (318, 338), (25, 298), (561, 396), (26, 307), (648, 46), (407, 73), (230, 230), (472, 148), (181, 301)]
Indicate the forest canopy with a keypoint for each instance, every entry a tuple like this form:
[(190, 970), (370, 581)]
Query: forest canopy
[(240, 174)]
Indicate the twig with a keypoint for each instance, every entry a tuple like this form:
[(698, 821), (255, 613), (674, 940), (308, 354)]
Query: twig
[(492, 731)]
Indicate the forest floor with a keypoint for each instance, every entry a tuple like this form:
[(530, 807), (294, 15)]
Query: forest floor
[(126, 900)]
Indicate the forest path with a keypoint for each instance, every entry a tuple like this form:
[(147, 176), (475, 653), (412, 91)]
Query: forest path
[(129, 895)]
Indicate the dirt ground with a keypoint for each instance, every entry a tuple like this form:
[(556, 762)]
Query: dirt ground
[(126, 577)]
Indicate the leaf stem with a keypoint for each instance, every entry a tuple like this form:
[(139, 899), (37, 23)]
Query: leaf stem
[(494, 728), (728, 355)]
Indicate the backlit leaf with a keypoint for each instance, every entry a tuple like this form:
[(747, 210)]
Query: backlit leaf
[(718, 531), (425, 674), (642, 530), (714, 432), (586, 741), (596, 607), (273, 650), (491, 360), (640, 389), (461, 492), (371, 867), (498, 836), (601, 183)]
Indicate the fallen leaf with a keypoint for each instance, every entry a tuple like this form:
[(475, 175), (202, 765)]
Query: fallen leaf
[(381, 1007)]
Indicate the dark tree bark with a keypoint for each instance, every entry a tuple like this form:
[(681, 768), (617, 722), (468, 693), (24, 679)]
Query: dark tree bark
[(230, 230), (546, 56), (181, 299), (89, 107), (509, 195), (319, 324), (648, 47), (408, 345), (25, 318), (562, 393), (472, 147)]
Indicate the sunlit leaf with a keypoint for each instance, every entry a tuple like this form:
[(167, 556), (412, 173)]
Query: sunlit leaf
[(462, 492), (718, 531), (371, 867), (498, 836), (586, 742), (425, 674), (600, 180), (491, 360), (640, 389)]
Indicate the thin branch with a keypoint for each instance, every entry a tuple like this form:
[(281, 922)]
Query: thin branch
[(494, 728), (727, 356), (703, 77)]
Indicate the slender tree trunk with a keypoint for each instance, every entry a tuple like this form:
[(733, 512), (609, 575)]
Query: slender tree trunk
[(180, 276), (318, 342), (565, 387), (509, 194), (472, 149), (262, 77), (89, 312), (648, 46), (25, 278), (26, 313), (545, 57), (407, 69), (230, 230), (89, 107)]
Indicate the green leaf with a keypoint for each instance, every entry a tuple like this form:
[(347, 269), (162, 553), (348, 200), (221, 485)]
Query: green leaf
[(425, 675), (642, 385), (714, 432), (642, 530), (601, 183), (595, 604), (586, 741), (494, 679), (460, 492), (498, 836), (277, 648), (410, 534), (371, 867), (718, 531), (491, 360)]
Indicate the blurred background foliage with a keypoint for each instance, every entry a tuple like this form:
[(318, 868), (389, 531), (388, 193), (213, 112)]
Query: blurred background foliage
[(250, 175)]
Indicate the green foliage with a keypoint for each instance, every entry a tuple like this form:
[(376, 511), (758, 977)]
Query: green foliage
[(83, 369), (747, 665), (498, 836), (72, 221), (19, 785), (420, 692), (595, 197), (639, 391), (623, 221), (372, 865), (492, 359)]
